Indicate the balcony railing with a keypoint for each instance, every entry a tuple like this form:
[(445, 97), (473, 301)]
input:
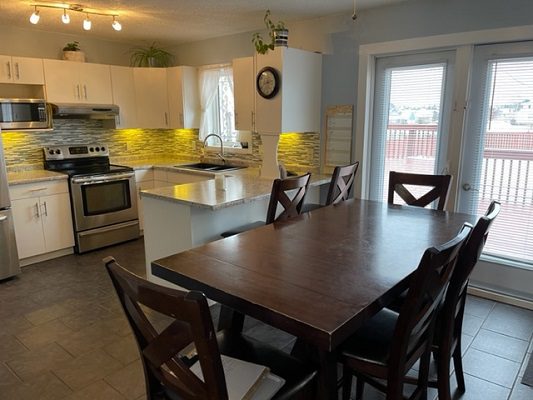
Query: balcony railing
[(506, 176)]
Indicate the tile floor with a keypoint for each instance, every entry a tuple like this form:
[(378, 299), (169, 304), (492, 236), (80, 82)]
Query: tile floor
[(63, 336)]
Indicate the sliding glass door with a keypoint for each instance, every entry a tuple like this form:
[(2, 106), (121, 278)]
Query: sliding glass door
[(412, 103), (498, 148)]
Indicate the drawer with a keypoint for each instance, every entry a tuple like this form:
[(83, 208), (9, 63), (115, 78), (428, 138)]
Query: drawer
[(142, 175), (38, 189)]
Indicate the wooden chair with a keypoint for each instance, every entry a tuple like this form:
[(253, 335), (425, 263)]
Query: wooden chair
[(164, 354), (291, 203), (447, 342), (439, 184), (340, 186), (389, 344)]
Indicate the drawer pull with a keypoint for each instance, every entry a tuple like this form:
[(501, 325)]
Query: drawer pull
[(37, 189)]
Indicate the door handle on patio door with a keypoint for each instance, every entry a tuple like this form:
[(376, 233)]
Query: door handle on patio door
[(467, 187)]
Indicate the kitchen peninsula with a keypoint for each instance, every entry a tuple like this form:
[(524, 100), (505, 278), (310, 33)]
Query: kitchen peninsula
[(180, 217)]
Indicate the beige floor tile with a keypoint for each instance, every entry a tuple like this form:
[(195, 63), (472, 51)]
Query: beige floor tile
[(86, 369), (7, 377), (87, 339), (14, 325), (48, 314), (118, 325), (33, 363), (44, 387), (129, 380), (10, 347), (44, 334), (85, 316), (99, 390), (125, 349)]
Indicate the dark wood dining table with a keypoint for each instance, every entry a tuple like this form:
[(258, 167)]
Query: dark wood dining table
[(318, 276)]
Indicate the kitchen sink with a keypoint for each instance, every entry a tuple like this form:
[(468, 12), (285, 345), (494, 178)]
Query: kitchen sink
[(209, 167)]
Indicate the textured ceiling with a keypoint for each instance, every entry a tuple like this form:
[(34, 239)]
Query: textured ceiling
[(176, 21)]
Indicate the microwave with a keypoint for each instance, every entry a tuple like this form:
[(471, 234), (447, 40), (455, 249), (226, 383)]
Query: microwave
[(23, 114)]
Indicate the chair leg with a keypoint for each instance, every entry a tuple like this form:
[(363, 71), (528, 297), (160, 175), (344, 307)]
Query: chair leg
[(458, 364), (346, 383), (359, 388), (443, 377), (423, 374)]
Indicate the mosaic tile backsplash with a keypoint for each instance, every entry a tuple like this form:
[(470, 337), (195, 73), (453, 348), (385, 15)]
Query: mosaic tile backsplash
[(23, 150)]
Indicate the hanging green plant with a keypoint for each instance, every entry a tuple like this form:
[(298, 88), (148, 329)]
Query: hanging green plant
[(151, 56), (277, 33)]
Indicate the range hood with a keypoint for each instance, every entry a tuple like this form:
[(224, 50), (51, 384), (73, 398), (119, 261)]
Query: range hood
[(84, 111)]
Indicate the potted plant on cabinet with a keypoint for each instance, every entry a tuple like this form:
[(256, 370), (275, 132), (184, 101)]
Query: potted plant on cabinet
[(150, 56), (278, 33), (72, 52)]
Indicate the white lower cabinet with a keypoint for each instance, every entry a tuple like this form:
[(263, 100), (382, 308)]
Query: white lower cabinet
[(42, 216)]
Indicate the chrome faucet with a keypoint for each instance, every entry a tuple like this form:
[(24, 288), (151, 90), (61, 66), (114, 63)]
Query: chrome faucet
[(221, 154)]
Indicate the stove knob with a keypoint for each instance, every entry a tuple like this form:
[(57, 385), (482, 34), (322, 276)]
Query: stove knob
[(98, 149), (51, 152), (58, 151), (103, 148), (91, 149)]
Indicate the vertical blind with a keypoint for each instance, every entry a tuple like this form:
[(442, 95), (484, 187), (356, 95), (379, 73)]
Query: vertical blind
[(503, 169)]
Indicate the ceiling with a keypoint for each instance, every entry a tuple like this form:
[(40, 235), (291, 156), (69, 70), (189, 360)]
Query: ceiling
[(176, 21)]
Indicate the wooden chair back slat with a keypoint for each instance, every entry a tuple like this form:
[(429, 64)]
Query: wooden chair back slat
[(292, 206), (341, 183), (414, 329), (439, 188), (163, 364)]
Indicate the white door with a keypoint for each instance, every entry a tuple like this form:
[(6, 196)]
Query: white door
[(124, 96), (57, 221), (28, 227), (62, 81), (498, 157), (28, 71), (151, 97), (95, 83), (411, 118)]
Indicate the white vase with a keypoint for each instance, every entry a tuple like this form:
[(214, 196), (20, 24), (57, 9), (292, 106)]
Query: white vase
[(78, 56)]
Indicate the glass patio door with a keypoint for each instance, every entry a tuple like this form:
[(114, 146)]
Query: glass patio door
[(412, 105), (497, 159)]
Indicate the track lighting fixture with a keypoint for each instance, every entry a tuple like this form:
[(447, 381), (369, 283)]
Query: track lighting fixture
[(65, 18), (35, 16)]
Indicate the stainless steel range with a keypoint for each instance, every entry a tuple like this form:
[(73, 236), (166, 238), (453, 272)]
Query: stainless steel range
[(103, 196)]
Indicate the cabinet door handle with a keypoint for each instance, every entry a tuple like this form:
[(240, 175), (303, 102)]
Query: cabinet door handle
[(253, 119), (37, 189), (182, 120), (78, 91), (166, 119), (17, 71), (9, 69), (45, 209), (37, 210), (236, 119), (85, 91)]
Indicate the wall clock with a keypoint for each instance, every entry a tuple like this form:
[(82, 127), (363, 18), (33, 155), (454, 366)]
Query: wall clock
[(268, 82)]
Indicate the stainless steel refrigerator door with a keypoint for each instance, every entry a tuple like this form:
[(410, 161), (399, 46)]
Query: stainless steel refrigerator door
[(4, 192), (9, 260)]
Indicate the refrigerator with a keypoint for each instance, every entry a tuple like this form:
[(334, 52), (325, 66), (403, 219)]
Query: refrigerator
[(9, 261)]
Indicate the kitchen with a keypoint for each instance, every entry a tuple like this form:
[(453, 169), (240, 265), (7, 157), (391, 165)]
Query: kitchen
[(336, 37)]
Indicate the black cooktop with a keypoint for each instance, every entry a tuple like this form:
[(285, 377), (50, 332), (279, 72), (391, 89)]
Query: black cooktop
[(92, 170)]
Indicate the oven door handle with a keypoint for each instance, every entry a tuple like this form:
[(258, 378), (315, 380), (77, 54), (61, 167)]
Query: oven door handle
[(102, 179)]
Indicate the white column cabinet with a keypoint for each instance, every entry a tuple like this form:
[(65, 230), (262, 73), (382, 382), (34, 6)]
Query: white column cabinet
[(43, 221), (123, 86), (183, 97), (244, 92), (23, 70), (296, 107), (151, 97), (75, 82)]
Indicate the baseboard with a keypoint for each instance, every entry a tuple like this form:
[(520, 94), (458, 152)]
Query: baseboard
[(47, 256), (500, 297)]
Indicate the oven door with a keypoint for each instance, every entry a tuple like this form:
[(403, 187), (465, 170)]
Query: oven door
[(102, 200)]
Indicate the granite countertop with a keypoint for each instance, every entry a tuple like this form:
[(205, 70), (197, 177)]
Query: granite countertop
[(32, 176), (242, 186)]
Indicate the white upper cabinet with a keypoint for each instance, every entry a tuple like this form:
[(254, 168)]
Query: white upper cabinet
[(21, 70), (243, 90), (151, 97), (296, 107), (74, 82), (183, 97), (123, 86)]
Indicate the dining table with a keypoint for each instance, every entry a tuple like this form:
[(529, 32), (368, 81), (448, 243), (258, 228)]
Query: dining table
[(318, 276)]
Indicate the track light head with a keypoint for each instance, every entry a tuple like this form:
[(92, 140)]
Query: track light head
[(87, 24), (116, 25), (35, 17), (65, 17)]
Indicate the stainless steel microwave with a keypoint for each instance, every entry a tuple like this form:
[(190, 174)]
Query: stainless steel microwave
[(23, 114)]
